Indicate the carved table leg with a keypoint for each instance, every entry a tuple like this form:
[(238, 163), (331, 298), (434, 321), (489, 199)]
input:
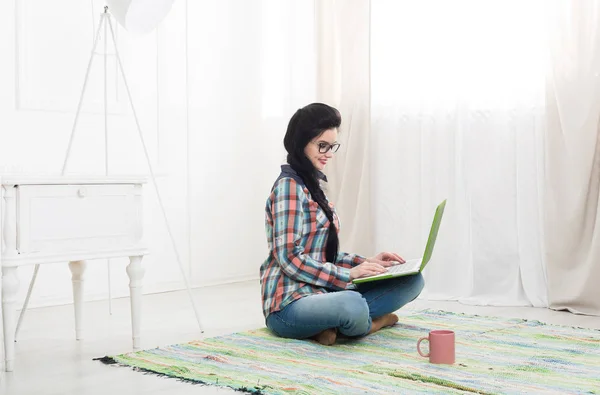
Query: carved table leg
[(10, 286), (77, 270), (135, 271)]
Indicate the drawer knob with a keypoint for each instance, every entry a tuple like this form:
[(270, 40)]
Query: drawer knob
[(81, 192)]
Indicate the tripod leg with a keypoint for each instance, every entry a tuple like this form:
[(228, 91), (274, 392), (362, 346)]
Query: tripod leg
[(85, 81), (26, 303), (106, 167), (141, 136)]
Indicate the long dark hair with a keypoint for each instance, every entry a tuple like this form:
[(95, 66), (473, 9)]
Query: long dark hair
[(305, 125)]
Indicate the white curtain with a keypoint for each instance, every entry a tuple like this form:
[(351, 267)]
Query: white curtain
[(251, 65), (573, 156), (457, 114), (342, 81), (457, 95), (494, 106)]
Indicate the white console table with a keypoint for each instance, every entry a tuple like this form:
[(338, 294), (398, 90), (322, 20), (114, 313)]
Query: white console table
[(69, 219)]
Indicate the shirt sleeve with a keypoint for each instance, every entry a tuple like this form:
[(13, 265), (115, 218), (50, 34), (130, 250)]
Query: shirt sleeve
[(287, 214), (349, 260)]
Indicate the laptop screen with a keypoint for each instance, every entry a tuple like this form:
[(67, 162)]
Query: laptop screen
[(435, 226)]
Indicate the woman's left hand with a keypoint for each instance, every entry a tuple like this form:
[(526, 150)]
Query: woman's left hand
[(387, 259)]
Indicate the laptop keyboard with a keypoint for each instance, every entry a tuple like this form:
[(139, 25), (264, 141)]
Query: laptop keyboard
[(408, 266)]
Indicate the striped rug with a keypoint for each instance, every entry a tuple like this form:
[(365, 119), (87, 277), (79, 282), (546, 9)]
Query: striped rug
[(494, 356)]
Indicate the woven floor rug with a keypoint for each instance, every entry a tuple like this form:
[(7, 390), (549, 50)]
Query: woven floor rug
[(494, 356)]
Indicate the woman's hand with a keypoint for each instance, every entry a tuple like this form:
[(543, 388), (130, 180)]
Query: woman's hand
[(387, 259), (367, 268)]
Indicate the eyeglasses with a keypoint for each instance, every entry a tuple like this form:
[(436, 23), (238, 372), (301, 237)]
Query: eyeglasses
[(324, 147)]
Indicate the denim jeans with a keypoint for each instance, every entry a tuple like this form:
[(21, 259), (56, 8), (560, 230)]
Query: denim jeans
[(350, 311)]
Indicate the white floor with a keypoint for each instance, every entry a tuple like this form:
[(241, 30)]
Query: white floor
[(51, 361)]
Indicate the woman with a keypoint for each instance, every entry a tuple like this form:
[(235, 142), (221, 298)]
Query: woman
[(306, 282)]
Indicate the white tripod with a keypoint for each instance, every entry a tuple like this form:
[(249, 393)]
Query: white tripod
[(104, 25)]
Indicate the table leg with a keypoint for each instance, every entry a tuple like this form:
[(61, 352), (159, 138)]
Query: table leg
[(10, 286), (77, 270), (135, 271)]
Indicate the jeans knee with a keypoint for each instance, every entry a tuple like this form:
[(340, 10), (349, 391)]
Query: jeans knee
[(354, 315), (356, 306), (417, 284)]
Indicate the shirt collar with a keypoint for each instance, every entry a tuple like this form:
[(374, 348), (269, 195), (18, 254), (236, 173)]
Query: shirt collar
[(287, 169)]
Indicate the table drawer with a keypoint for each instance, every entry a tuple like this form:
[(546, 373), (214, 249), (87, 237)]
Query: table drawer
[(63, 218)]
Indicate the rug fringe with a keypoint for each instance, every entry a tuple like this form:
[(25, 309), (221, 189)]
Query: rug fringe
[(255, 391), (106, 360), (111, 361)]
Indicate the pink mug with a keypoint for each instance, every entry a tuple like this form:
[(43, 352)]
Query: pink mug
[(441, 347)]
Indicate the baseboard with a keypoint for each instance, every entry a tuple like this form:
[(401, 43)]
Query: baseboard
[(157, 288), (225, 281)]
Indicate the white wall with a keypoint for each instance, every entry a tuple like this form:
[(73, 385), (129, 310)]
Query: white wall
[(45, 51), (213, 92)]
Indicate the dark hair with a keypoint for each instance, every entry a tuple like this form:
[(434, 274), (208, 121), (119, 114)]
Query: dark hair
[(305, 125)]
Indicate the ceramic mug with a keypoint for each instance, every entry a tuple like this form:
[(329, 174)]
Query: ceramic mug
[(441, 347)]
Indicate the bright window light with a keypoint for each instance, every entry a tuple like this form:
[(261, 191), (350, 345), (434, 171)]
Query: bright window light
[(435, 54)]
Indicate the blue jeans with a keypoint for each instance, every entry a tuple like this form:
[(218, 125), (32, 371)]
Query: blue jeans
[(350, 311)]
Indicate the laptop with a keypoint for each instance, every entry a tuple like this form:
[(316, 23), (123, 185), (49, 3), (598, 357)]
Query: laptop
[(412, 266)]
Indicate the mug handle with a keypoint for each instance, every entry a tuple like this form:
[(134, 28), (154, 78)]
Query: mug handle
[(419, 347)]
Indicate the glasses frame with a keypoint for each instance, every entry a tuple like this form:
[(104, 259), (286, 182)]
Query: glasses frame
[(333, 147)]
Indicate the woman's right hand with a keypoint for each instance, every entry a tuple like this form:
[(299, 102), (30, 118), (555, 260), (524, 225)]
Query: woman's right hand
[(365, 269)]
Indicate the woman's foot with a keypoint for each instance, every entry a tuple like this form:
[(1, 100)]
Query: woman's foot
[(327, 337), (382, 322)]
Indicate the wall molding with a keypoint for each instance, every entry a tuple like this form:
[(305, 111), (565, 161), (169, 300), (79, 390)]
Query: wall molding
[(25, 97)]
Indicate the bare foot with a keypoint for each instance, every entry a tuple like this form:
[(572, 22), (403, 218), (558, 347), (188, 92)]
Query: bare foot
[(383, 321), (327, 337)]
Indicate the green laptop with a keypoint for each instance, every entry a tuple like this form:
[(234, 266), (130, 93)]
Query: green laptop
[(412, 266)]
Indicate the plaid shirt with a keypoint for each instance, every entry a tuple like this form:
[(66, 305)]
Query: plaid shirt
[(297, 228)]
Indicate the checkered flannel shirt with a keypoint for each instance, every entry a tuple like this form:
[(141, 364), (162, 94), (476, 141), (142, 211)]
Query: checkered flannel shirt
[(297, 228)]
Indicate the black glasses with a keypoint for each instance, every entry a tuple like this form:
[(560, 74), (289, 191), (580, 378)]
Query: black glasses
[(324, 147)]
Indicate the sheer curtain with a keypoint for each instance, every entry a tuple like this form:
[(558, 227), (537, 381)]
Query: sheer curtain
[(457, 112), (573, 156), (342, 77), (251, 65)]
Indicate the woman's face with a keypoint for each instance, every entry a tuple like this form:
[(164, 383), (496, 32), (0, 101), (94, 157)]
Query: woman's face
[(319, 149)]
